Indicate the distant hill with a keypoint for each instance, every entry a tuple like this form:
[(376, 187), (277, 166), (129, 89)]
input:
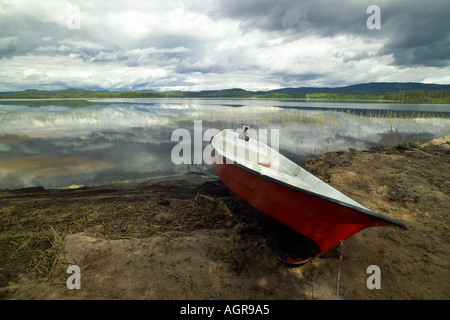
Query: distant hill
[(73, 93), (368, 88), (376, 91)]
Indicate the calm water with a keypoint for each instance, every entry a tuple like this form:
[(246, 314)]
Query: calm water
[(86, 142)]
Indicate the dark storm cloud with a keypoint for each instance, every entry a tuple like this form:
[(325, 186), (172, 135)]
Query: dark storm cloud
[(414, 32), (420, 33), (198, 44), (324, 17), (32, 31)]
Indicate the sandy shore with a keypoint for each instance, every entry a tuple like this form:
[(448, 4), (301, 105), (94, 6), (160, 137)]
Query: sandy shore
[(182, 240)]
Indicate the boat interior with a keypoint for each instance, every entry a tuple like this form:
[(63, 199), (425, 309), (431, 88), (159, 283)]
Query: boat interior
[(259, 157)]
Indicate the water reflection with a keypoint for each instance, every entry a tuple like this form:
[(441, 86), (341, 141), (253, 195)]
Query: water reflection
[(61, 143)]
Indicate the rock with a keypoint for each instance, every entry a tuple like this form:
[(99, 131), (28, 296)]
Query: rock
[(164, 202), (381, 189), (99, 228)]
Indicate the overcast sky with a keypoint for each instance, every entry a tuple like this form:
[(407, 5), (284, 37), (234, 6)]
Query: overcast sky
[(219, 44)]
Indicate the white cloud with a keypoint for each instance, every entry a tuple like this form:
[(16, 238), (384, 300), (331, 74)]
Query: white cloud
[(196, 45)]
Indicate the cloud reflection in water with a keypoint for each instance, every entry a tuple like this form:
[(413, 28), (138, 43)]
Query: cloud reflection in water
[(57, 146)]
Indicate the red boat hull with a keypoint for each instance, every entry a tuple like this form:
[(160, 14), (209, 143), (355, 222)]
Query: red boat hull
[(321, 223)]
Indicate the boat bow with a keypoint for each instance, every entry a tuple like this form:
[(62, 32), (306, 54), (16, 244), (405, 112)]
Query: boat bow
[(305, 216)]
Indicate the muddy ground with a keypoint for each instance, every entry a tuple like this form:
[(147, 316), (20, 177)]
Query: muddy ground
[(182, 240)]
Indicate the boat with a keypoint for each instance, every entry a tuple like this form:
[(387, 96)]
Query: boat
[(303, 217)]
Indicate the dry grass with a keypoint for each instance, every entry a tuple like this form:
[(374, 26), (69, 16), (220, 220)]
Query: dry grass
[(30, 251), (34, 222)]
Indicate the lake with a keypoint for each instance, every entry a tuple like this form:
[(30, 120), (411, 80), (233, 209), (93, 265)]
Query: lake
[(62, 143)]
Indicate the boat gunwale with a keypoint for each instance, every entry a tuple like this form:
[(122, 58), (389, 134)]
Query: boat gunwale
[(368, 212)]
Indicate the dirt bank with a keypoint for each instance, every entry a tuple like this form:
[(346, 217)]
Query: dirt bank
[(176, 240)]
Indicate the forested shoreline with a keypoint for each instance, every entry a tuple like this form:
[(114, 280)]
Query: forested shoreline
[(408, 96)]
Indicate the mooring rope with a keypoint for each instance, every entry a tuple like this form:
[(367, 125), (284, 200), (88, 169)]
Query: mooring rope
[(339, 272)]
